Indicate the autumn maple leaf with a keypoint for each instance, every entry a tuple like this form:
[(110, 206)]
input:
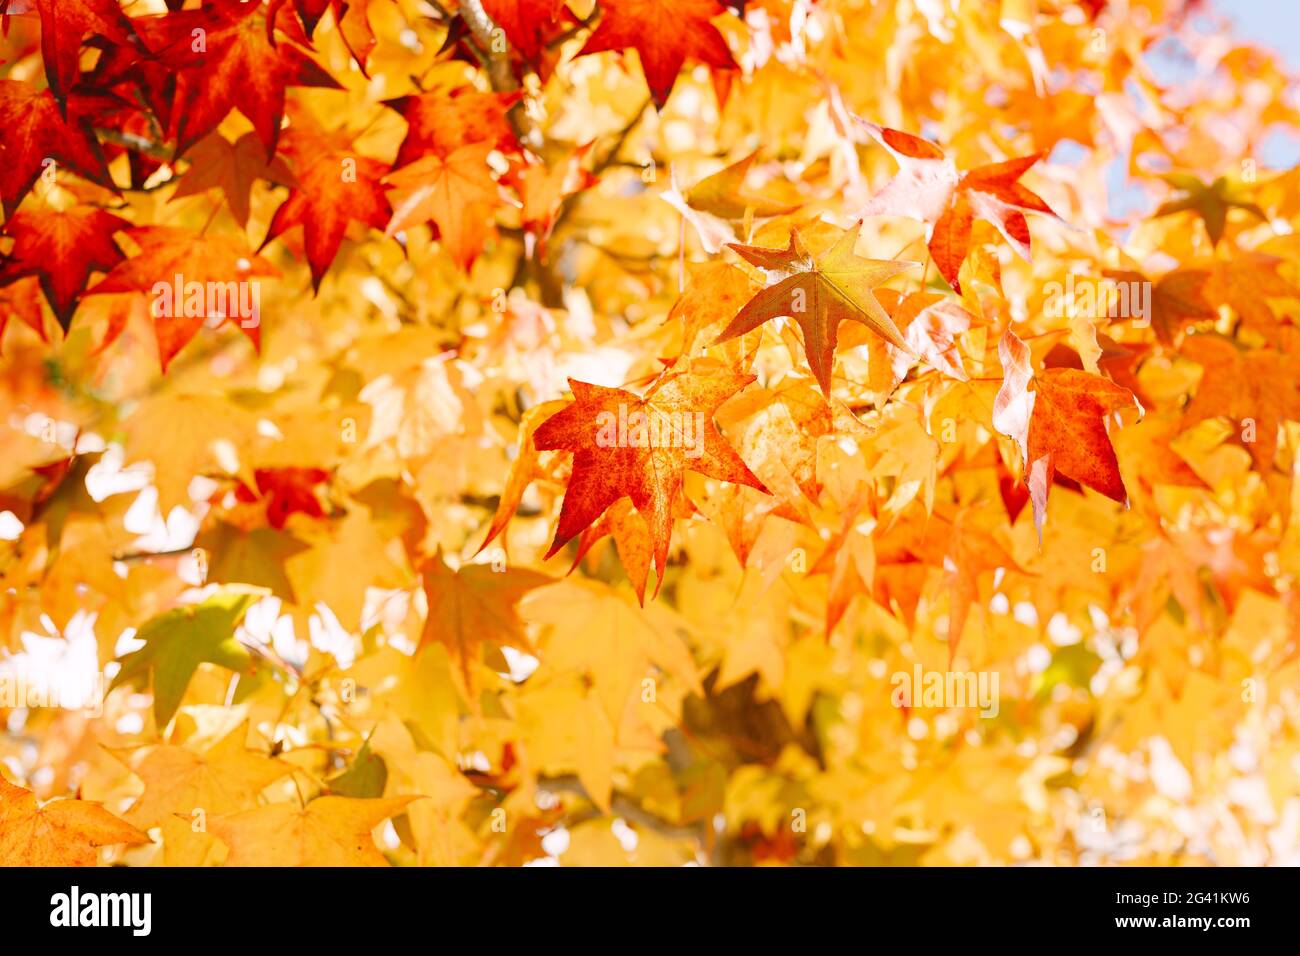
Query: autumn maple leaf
[(1060, 426), (1177, 299), (527, 22), (1255, 389), (1251, 284), (62, 248), (716, 291), (226, 778), (641, 448), (177, 642), (472, 606), (1210, 201), (665, 34), (217, 163), (819, 292), (36, 133), (165, 253), (234, 63), (328, 831), (288, 491), (441, 121), (64, 24), (333, 186), (457, 192), (59, 833), (930, 188)]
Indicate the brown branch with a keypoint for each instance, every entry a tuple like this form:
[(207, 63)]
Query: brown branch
[(137, 144), (147, 555), (620, 139), (497, 64), (610, 156), (629, 810)]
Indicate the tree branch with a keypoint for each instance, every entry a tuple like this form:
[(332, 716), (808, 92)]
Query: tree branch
[(137, 144), (628, 809), (497, 65)]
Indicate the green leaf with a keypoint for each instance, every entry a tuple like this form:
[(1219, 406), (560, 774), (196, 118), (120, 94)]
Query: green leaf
[(177, 642), (366, 776)]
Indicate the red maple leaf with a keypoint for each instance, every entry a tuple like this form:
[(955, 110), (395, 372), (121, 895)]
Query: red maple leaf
[(62, 248), (527, 22), (1060, 426), (35, 132), (625, 445), (665, 34), (235, 63), (288, 490), (64, 24), (440, 122), (186, 261), (333, 187)]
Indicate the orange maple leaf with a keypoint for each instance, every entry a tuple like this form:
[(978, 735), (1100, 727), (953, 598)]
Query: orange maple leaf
[(1257, 386), (930, 188), (59, 833), (641, 447), (819, 292), (216, 163), (457, 192), (333, 186), (470, 607), (199, 261), (442, 121), (1060, 426)]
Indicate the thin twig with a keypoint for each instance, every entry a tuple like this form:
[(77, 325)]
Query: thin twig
[(628, 809), (135, 143)]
